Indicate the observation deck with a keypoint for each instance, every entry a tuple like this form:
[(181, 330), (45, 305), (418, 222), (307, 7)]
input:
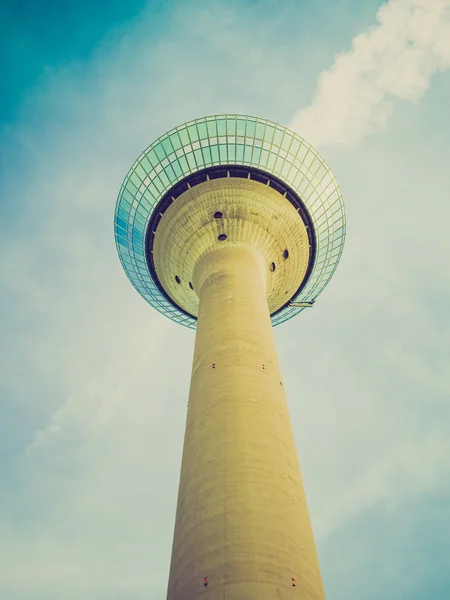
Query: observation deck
[(229, 180)]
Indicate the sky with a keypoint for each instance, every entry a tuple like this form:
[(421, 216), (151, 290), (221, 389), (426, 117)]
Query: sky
[(94, 383)]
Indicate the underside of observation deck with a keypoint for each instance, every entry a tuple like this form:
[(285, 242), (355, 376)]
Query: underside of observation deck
[(230, 205)]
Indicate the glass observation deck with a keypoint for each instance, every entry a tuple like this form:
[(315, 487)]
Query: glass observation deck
[(229, 140)]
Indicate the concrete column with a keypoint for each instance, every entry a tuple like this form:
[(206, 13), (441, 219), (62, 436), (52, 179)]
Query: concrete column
[(242, 519)]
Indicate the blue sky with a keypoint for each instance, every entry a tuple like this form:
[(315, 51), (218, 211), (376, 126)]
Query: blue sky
[(94, 383)]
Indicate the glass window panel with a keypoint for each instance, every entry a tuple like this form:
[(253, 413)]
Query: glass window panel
[(256, 155), (309, 157), (167, 145), (147, 201), (132, 188), (124, 254), (241, 127), (202, 131), (286, 141), (338, 233), (170, 173), (248, 154), (137, 224), (153, 190), (251, 127), (137, 235), (122, 213), (268, 137), (183, 137), (127, 195), (320, 220), (207, 155), (215, 153), (333, 196), (231, 126), (321, 173), (145, 163), (302, 152), (212, 128), (193, 133), (125, 204), (120, 230), (142, 215), (264, 158), (285, 170), (164, 179), (151, 156), (159, 151), (221, 127), (126, 261), (223, 152), (158, 185), (184, 164), (177, 169), (191, 161), (271, 161), (198, 158), (314, 197), (295, 146), (140, 172), (334, 210), (302, 187), (259, 131), (278, 136), (175, 140), (279, 162), (315, 166), (135, 179)]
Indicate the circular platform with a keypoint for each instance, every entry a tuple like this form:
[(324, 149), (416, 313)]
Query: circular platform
[(280, 196)]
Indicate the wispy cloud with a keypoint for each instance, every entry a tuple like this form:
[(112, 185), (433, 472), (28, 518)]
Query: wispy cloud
[(393, 60)]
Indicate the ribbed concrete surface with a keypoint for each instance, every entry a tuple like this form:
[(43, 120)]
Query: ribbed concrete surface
[(242, 519), (252, 213)]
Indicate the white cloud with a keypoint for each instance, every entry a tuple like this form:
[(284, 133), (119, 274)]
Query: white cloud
[(391, 61), (410, 470)]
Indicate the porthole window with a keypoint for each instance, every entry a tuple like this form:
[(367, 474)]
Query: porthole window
[(272, 267), (222, 237), (218, 215), (177, 279), (286, 253), (191, 286)]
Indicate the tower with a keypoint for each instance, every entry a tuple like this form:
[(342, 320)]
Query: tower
[(232, 224)]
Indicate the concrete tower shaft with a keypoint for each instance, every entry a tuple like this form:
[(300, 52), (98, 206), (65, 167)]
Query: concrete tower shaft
[(242, 519)]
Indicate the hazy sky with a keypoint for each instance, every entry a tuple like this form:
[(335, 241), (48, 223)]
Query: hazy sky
[(94, 383)]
